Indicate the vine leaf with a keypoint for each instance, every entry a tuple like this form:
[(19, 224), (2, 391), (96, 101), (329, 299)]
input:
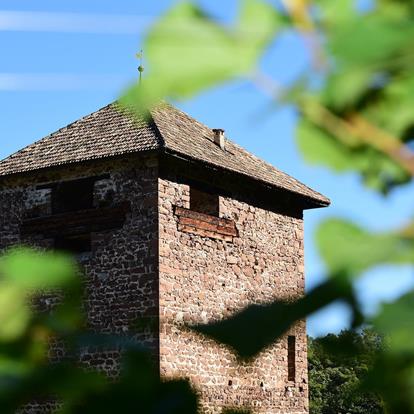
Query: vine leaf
[(258, 326), (188, 51), (347, 247)]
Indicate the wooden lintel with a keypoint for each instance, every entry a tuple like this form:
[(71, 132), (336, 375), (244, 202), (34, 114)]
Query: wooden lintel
[(77, 222)]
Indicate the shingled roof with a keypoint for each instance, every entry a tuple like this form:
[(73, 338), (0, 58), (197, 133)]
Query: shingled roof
[(111, 132)]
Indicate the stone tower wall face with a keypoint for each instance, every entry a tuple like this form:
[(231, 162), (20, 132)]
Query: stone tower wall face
[(157, 265), (206, 277), (121, 271)]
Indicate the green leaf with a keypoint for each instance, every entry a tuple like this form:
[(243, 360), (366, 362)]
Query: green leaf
[(346, 247), (393, 110), (392, 377), (258, 326), (319, 147), (369, 73), (14, 313), (189, 48), (257, 26), (335, 13), (345, 88), (187, 51), (370, 40), (394, 321), (396, 10), (31, 269)]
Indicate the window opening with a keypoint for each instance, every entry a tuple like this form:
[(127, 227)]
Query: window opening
[(291, 358), (75, 245), (202, 202), (73, 196)]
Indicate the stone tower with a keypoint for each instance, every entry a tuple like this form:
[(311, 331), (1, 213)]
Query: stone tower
[(170, 220)]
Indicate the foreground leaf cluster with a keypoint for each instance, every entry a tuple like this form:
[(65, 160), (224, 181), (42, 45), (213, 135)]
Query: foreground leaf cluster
[(28, 332), (356, 107)]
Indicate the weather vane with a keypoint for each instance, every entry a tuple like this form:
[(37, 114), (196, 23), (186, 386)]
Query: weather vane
[(140, 56)]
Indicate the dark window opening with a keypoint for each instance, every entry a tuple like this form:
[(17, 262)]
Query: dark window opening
[(203, 202), (73, 196), (291, 358), (75, 245)]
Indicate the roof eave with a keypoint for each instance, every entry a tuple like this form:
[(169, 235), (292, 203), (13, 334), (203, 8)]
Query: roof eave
[(91, 160), (308, 202)]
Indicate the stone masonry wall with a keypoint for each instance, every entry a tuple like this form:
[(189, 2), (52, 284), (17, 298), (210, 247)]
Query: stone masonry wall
[(205, 278), (121, 271), (208, 268)]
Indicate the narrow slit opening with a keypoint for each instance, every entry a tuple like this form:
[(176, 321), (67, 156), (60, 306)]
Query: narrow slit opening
[(291, 358)]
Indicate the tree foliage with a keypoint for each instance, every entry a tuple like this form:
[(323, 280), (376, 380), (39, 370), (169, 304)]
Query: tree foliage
[(336, 373)]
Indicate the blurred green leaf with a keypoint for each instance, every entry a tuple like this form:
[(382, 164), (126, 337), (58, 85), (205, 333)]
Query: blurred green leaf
[(14, 313), (368, 71), (188, 51), (392, 377), (346, 247), (258, 326), (393, 108), (139, 385), (371, 40), (395, 322), (335, 13), (258, 24), (320, 147), (344, 88), (31, 269)]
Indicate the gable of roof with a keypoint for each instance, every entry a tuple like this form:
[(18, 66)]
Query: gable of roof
[(111, 132)]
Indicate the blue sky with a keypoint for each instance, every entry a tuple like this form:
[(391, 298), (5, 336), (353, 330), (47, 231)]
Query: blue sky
[(62, 60)]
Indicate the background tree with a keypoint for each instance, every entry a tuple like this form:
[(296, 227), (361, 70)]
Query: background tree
[(336, 374)]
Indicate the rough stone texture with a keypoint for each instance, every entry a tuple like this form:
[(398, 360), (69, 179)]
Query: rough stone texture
[(181, 266), (203, 279), (121, 271)]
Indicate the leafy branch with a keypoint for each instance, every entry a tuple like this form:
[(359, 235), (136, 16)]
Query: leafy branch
[(358, 118), (355, 129)]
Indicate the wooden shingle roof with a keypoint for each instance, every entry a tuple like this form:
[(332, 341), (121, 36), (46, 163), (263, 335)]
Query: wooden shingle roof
[(111, 132)]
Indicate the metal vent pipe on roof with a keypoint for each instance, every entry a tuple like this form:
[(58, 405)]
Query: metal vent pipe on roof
[(219, 138)]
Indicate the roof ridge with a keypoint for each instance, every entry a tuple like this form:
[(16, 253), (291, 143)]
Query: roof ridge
[(132, 114)]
